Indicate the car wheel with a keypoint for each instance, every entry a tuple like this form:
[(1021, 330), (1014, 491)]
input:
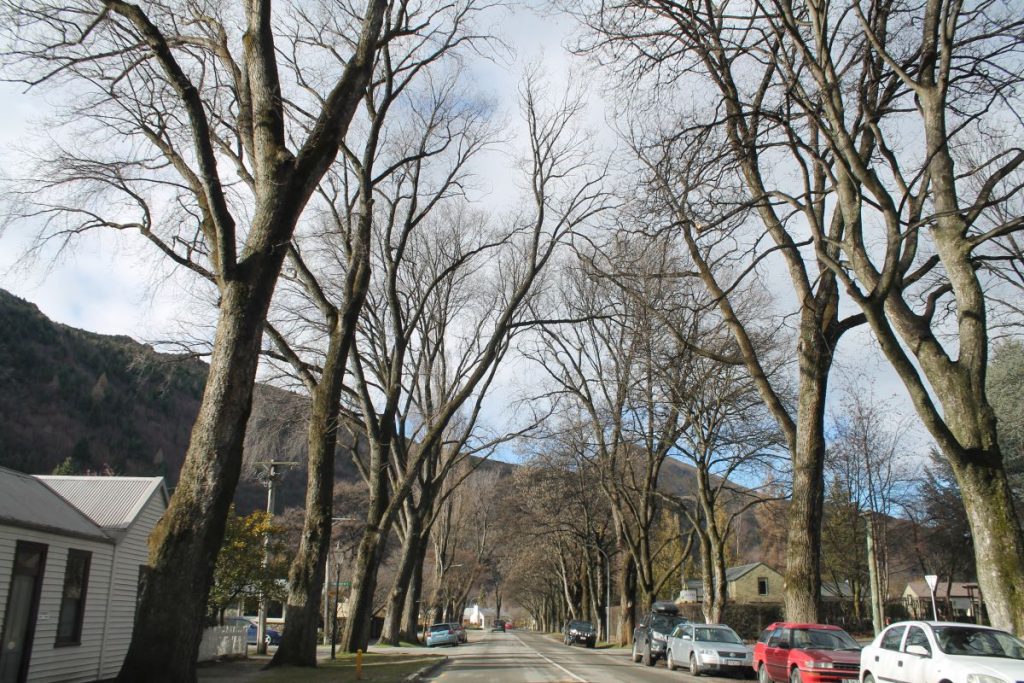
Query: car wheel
[(868, 678), (794, 676), (694, 666), (669, 662), (266, 639), (648, 659), (762, 674), (636, 654)]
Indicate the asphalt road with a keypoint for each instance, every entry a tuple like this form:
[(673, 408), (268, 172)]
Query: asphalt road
[(524, 657)]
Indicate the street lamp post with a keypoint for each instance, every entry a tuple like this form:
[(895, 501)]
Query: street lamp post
[(327, 578), (337, 587), (271, 478)]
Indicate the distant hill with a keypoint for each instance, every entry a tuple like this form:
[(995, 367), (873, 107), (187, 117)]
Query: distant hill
[(111, 402)]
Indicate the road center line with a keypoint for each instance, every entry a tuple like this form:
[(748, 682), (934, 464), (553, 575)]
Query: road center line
[(550, 661)]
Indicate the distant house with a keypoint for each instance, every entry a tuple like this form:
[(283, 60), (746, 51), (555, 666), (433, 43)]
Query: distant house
[(478, 616), (836, 591), (963, 599), (72, 551), (747, 583)]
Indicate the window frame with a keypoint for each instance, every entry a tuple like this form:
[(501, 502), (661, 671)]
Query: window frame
[(901, 629), (75, 638)]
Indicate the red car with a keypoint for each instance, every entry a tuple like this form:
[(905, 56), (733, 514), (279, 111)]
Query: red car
[(806, 653)]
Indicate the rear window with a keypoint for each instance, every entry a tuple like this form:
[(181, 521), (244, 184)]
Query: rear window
[(440, 627), (664, 623)]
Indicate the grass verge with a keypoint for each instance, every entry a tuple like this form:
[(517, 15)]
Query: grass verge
[(378, 667)]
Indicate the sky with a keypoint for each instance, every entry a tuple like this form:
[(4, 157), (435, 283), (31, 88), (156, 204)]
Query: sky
[(109, 284)]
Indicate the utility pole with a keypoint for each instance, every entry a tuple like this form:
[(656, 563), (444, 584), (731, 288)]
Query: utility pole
[(876, 603), (271, 478)]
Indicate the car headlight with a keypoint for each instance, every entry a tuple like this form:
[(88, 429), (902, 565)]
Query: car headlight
[(829, 665), (984, 678), (660, 637), (706, 652)]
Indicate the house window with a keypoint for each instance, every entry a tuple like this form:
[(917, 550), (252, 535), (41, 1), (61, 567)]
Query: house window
[(762, 585), (72, 601)]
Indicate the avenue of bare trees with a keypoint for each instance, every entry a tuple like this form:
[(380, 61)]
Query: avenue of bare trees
[(788, 179)]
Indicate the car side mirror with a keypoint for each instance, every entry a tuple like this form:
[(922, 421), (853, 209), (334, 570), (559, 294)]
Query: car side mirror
[(919, 650)]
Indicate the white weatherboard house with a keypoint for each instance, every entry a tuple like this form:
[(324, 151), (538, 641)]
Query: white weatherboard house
[(72, 550)]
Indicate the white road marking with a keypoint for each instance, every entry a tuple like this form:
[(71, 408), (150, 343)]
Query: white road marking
[(550, 661)]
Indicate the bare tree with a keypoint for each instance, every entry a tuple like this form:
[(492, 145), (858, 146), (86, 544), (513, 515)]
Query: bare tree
[(334, 278), (917, 218), (868, 473), (726, 439), (182, 92), (713, 178), (608, 367), (415, 260)]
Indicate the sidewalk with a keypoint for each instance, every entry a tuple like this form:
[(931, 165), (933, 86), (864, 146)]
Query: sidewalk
[(382, 664)]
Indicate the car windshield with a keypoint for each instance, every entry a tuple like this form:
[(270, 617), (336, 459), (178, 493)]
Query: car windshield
[(581, 625), (718, 634), (440, 627), (664, 623), (967, 641), (822, 639)]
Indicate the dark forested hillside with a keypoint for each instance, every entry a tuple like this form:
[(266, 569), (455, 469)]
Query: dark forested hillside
[(111, 402)]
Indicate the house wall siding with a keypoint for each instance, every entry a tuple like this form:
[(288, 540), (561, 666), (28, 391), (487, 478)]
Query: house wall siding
[(744, 589), (132, 552), (74, 663)]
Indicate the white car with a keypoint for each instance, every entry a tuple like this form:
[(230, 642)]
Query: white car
[(708, 648), (942, 652)]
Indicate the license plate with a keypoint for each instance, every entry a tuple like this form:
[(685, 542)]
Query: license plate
[(733, 662)]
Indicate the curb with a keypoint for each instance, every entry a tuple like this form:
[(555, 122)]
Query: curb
[(426, 671)]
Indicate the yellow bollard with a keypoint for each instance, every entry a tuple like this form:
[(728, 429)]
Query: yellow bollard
[(359, 665)]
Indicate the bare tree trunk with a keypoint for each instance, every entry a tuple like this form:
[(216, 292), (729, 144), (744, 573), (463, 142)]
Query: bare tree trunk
[(803, 550), (185, 543), (409, 558), (307, 573), (627, 598), (356, 635), (410, 632)]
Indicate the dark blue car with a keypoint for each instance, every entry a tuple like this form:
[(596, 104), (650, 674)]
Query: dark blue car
[(273, 636)]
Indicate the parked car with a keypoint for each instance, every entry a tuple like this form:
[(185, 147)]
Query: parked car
[(499, 625), (806, 653), (442, 634), (708, 648), (650, 635), (271, 635), (577, 631), (460, 632), (930, 651)]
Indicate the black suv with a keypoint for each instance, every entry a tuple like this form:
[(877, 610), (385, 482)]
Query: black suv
[(650, 635), (576, 631)]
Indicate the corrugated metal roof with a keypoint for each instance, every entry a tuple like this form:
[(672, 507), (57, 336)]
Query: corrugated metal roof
[(111, 502), (27, 502)]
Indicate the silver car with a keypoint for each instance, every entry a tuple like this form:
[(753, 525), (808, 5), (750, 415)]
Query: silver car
[(707, 648), (442, 634)]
